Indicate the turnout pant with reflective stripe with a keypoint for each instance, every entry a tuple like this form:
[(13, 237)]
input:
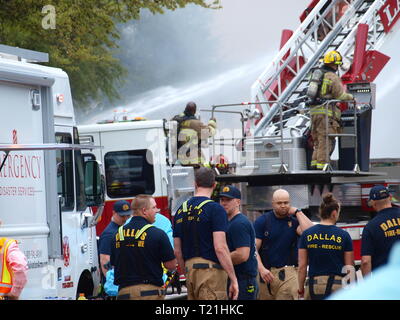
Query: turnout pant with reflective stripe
[(285, 285), (141, 292), (204, 281)]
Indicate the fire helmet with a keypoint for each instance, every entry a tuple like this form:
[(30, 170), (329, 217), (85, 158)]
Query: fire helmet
[(333, 57)]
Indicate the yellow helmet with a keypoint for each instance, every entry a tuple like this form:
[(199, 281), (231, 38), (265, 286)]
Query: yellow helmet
[(333, 57)]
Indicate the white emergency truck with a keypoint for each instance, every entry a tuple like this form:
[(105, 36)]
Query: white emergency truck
[(46, 189)]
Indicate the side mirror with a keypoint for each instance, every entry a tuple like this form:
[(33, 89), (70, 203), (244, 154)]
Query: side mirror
[(94, 185)]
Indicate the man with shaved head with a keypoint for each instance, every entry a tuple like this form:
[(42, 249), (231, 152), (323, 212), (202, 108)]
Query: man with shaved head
[(277, 233)]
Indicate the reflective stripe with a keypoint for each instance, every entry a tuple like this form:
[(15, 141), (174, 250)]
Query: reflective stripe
[(320, 165), (320, 110), (5, 274), (184, 206), (325, 84), (137, 235), (313, 163), (185, 209), (121, 233)]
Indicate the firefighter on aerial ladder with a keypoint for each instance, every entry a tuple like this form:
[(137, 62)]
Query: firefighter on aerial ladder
[(325, 85)]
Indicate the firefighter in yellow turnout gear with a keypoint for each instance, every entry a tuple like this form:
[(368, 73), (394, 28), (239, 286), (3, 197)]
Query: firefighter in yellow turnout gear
[(327, 85), (191, 134)]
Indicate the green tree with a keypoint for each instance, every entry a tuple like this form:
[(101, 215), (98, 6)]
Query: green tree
[(84, 39)]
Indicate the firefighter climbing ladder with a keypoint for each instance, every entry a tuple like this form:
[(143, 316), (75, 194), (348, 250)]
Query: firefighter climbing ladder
[(331, 25)]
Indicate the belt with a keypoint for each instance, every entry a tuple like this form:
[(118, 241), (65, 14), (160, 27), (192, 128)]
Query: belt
[(145, 293), (287, 266), (205, 266), (152, 293)]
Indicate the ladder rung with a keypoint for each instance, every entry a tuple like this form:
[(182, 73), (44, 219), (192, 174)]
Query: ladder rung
[(342, 135)]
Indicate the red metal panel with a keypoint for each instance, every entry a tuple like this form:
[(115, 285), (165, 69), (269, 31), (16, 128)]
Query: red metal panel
[(357, 249), (390, 14), (306, 12), (286, 34), (359, 49), (374, 62)]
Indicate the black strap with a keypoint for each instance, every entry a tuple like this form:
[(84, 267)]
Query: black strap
[(329, 285), (328, 288), (189, 228), (148, 293), (313, 296), (264, 246)]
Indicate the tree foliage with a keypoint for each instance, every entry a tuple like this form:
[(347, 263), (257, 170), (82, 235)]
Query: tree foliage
[(84, 39)]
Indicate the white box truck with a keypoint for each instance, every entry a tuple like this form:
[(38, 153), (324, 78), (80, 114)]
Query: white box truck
[(46, 190)]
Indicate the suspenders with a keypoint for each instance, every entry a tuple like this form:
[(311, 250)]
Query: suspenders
[(189, 227)]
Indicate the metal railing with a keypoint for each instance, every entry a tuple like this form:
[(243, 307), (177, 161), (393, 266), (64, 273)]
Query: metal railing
[(281, 124)]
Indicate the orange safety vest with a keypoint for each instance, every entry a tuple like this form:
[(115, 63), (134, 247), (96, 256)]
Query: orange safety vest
[(5, 274)]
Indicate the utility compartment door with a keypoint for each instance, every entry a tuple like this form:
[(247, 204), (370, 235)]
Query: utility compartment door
[(23, 190), (22, 179)]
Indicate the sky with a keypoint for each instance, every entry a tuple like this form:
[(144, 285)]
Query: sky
[(214, 56)]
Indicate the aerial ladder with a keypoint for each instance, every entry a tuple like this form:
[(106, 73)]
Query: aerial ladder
[(277, 117)]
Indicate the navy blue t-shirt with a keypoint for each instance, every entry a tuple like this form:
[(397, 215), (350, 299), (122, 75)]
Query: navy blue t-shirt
[(380, 234), (325, 245), (106, 238), (241, 234), (136, 260), (279, 247), (212, 218)]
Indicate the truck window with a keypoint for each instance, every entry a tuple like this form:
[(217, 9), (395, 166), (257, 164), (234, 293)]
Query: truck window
[(65, 173), (129, 173)]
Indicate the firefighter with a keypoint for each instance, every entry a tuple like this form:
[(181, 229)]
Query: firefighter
[(120, 214), (241, 243), (277, 233), (381, 232), (325, 85), (191, 134), (326, 249), (200, 226), (13, 269), (139, 252)]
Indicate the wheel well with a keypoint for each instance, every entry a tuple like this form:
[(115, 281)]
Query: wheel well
[(85, 284)]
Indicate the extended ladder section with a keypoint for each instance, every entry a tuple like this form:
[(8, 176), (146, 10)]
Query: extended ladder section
[(331, 25)]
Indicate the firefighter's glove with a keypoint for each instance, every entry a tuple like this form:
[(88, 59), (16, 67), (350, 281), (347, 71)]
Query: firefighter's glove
[(213, 123)]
